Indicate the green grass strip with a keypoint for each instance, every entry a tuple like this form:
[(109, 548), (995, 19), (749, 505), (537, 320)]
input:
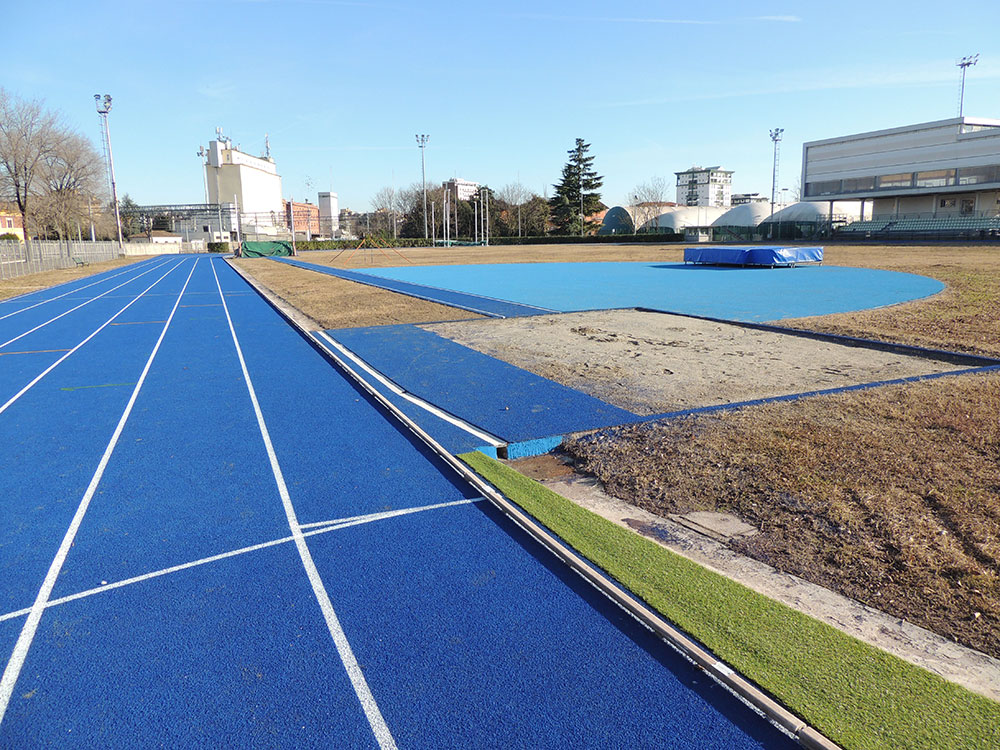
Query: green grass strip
[(858, 695)]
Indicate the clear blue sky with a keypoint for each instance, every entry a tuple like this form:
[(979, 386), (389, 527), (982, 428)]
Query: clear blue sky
[(503, 89)]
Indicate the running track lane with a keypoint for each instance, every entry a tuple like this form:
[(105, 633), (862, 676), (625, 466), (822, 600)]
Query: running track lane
[(465, 633)]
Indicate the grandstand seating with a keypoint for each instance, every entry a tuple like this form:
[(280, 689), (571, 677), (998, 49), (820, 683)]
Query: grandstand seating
[(938, 225)]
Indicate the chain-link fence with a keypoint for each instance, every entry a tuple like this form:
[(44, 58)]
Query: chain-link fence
[(18, 259)]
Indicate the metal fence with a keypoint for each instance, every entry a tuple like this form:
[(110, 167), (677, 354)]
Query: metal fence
[(18, 259)]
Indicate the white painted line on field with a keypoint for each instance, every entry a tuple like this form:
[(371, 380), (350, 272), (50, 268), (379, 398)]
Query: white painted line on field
[(24, 640), (72, 309), (71, 291), (425, 405), (358, 681), (320, 527), (100, 328)]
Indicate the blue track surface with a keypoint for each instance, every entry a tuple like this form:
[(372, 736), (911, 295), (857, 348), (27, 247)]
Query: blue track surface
[(184, 614), (748, 294), (478, 303), (502, 399)]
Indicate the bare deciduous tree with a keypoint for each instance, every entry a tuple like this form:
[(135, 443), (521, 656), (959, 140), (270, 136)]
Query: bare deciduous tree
[(70, 174), (647, 201), (28, 135), (515, 195)]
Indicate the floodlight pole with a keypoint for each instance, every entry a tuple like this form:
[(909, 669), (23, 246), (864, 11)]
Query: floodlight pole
[(965, 63), (103, 108), (776, 138), (422, 144)]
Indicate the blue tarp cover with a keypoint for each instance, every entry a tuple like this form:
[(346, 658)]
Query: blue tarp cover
[(767, 255)]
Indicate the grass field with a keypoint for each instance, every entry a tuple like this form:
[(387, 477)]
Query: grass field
[(35, 281)]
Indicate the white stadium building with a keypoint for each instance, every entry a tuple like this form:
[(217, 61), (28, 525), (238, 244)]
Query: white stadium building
[(935, 178)]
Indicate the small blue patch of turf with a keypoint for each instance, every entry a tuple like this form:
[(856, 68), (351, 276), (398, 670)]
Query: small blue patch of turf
[(537, 447), (502, 399), (752, 294)]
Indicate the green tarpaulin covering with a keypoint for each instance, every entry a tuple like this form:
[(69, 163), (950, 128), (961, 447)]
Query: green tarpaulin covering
[(262, 249)]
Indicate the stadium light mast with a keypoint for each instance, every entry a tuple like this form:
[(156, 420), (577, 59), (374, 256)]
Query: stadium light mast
[(103, 108), (776, 138), (422, 144), (965, 63)]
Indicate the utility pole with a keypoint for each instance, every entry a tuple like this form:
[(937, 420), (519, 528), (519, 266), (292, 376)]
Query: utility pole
[(486, 214), (965, 63), (103, 108), (422, 144), (239, 220), (291, 217), (776, 138)]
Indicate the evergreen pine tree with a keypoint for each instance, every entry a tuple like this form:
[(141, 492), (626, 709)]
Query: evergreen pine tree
[(578, 176)]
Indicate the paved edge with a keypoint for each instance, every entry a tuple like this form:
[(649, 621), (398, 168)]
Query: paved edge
[(806, 735)]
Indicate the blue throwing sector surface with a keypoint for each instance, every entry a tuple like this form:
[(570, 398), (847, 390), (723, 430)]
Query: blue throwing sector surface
[(502, 399), (748, 294), (477, 303)]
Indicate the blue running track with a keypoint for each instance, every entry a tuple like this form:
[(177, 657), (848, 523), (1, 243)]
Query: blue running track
[(211, 538)]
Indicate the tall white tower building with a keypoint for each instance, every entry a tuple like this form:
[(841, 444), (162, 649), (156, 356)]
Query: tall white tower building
[(329, 214), (252, 181), (708, 186)]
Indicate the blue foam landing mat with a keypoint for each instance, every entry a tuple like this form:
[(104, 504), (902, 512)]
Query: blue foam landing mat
[(489, 306), (506, 401)]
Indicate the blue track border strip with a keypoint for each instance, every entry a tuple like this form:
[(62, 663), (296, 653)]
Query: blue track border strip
[(448, 297)]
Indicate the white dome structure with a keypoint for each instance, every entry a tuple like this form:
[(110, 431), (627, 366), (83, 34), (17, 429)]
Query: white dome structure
[(808, 219), (617, 220), (744, 215), (813, 211), (678, 218)]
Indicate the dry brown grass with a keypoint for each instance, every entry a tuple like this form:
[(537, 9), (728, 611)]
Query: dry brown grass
[(965, 317), (891, 496), (335, 303), (44, 279)]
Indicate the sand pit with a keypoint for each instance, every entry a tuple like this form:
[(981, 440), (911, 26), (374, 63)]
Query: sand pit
[(651, 363)]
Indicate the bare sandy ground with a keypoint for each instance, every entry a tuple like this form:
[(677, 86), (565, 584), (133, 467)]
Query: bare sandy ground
[(651, 363)]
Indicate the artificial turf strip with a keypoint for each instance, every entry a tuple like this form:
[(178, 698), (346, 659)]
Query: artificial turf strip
[(858, 695)]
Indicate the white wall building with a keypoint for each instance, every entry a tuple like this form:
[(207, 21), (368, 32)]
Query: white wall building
[(251, 181), (708, 186), (329, 214), (462, 188), (945, 168)]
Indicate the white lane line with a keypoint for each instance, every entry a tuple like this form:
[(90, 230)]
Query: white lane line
[(24, 640), (72, 309), (354, 673), (425, 405), (320, 527), (73, 291), (63, 358)]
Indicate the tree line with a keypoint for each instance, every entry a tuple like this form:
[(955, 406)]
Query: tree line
[(513, 210), (49, 173)]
